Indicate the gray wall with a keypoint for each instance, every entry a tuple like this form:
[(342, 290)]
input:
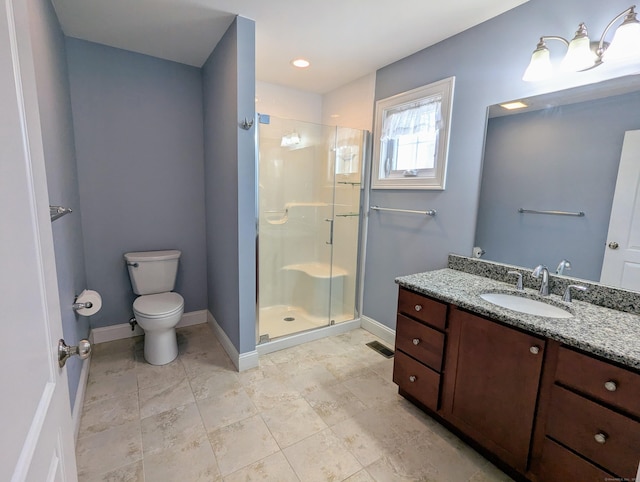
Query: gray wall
[(229, 93), (139, 145), (62, 179), (564, 158), (488, 62)]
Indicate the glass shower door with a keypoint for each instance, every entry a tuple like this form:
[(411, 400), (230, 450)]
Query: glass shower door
[(295, 204)]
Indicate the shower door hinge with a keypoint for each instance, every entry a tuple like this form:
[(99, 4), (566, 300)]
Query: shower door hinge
[(332, 322), (264, 339)]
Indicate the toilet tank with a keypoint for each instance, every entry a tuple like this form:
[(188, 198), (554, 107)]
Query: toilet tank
[(152, 271)]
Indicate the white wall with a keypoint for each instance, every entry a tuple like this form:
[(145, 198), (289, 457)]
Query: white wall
[(351, 105), (288, 103)]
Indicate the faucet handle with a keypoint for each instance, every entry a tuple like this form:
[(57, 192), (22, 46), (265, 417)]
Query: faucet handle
[(538, 269), (565, 265), (519, 282), (567, 293)]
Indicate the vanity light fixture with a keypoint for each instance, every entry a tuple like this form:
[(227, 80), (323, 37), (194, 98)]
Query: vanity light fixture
[(582, 54)]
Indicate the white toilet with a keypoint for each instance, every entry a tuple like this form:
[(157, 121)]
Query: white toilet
[(158, 310)]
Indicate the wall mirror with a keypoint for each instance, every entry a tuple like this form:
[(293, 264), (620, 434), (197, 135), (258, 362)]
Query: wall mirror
[(560, 154), (412, 138)]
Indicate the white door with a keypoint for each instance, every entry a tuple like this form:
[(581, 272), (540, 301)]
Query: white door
[(36, 441), (621, 266)]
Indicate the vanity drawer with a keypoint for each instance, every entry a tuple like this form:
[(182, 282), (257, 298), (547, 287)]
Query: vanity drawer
[(421, 342), (417, 380), (576, 421), (559, 464), (424, 309), (601, 380)]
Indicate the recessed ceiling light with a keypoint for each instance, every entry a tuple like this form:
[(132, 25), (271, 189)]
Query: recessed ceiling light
[(300, 63), (514, 105), (334, 116)]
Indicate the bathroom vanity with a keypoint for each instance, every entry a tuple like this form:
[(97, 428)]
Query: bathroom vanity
[(547, 399)]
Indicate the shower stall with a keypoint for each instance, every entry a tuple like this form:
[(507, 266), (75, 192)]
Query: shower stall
[(310, 196)]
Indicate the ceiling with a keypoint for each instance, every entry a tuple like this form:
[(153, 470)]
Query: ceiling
[(343, 39)]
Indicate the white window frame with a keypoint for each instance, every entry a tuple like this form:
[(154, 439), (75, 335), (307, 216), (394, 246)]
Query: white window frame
[(423, 178)]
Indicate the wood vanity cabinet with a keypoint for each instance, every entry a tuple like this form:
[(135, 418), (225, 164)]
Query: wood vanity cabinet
[(420, 341), (547, 412), (592, 420), (491, 384)]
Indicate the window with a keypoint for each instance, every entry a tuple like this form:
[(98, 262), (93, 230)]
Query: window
[(412, 132)]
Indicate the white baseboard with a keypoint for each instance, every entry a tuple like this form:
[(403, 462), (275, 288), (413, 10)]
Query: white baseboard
[(123, 330), (381, 331), (300, 338), (78, 404), (242, 361)]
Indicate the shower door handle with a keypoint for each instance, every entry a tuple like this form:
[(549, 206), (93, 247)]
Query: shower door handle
[(329, 220)]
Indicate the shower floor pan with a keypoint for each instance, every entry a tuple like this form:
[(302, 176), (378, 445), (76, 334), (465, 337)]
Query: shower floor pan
[(282, 320)]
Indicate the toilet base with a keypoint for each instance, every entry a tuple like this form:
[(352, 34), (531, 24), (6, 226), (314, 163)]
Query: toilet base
[(160, 348)]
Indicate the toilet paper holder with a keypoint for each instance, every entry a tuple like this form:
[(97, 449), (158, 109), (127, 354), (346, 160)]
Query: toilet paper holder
[(79, 306)]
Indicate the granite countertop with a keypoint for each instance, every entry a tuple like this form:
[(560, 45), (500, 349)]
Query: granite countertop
[(611, 334)]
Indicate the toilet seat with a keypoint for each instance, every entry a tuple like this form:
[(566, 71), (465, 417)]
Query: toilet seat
[(160, 305)]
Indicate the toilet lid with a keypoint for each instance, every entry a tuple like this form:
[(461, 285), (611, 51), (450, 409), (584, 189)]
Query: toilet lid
[(158, 304)]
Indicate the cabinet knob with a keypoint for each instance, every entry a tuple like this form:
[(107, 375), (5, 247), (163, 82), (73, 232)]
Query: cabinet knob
[(412, 378), (611, 386), (600, 437), (535, 349), (416, 341), (418, 307)]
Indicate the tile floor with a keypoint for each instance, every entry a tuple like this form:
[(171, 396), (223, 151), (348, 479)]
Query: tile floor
[(323, 411)]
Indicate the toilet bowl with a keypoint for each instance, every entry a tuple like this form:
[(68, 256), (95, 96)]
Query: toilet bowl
[(158, 309), (158, 316)]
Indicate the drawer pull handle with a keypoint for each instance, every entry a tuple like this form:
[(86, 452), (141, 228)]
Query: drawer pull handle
[(416, 341), (535, 349), (600, 437), (611, 386), (418, 307), (412, 378)]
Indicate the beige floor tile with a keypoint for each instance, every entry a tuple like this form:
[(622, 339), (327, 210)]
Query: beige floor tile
[(269, 393), (385, 470), (334, 403), (129, 473), (313, 377), (112, 386), (190, 462), (241, 444), (366, 445), (490, 473), (321, 457), (372, 389), (175, 427), (204, 362), (343, 366), (214, 383), (158, 399), (226, 408), (292, 421), (108, 450), (104, 414), (362, 476), (149, 375), (110, 364), (272, 468)]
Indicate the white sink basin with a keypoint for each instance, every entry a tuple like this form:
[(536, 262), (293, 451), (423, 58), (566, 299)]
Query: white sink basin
[(525, 305)]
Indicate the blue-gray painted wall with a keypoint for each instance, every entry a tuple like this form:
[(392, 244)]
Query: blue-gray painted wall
[(229, 93), (60, 162), (139, 146), (564, 158), (487, 61)]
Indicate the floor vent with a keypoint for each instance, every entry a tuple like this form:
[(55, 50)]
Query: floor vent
[(380, 348)]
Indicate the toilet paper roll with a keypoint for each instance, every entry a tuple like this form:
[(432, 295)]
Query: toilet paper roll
[(89, 296)]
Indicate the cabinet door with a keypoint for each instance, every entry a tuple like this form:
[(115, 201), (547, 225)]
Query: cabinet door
[(491, 384)]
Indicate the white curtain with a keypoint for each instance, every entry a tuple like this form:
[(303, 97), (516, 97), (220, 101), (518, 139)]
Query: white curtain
[(412, 119)]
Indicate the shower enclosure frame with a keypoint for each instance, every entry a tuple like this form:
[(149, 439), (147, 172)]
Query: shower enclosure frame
[(263, 345)]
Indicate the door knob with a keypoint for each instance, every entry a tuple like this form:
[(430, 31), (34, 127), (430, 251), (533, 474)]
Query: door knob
[(83, 350), (613, 245)]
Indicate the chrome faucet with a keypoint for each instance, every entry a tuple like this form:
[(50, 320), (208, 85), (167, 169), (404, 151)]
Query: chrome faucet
[(544, 286), (564, 265)]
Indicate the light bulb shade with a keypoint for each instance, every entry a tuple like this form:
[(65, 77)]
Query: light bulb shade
[(625, 44), (579, 55), (540, 66)]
